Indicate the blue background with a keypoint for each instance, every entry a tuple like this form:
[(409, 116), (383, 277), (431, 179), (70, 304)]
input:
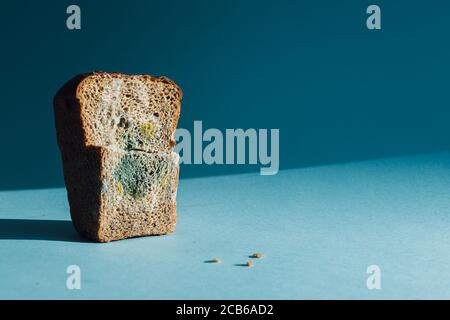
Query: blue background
[(337, 91)]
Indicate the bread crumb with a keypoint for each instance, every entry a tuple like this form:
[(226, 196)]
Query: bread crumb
[(257, 255), (249, 263)]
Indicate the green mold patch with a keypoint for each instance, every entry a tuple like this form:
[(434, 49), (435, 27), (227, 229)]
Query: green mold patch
[(128, 141), (133, 175), (131, 141)]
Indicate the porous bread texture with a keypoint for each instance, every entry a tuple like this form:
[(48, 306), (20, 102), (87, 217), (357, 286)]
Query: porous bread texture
[(115, 133)]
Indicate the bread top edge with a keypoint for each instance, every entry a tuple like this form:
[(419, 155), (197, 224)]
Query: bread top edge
[(69, 89), (119, 75)]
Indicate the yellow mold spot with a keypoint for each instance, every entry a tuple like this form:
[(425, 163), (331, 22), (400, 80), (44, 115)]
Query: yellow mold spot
[(119, 188), (148, 129), (165, 181)]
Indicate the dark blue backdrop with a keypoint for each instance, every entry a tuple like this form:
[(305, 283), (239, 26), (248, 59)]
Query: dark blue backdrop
[(337, 91)]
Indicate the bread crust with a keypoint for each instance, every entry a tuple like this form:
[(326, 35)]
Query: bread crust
[(84, 166)]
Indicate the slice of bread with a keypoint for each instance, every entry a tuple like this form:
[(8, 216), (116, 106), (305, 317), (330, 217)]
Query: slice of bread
[(115, 133)]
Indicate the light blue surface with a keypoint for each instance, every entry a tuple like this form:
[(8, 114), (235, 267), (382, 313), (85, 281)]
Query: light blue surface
[(319, 229)]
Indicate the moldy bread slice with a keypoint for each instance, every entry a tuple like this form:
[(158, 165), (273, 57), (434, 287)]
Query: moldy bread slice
[(115, 133)]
